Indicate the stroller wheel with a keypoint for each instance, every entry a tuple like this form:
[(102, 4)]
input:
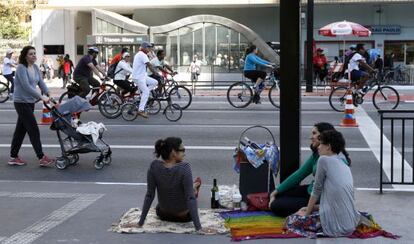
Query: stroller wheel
[(98, 163), (62, 162), (73, 159), (107, 160)]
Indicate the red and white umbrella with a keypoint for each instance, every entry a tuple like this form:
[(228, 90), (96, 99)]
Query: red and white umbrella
[(344, 28)]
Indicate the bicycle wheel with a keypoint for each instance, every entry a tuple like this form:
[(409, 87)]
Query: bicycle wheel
[(4, 92), (181, 96), (337, 98), (386, 98), (129, 111), (153, 106), (239, 95), (173, 112), (109, 105), (274, 95)]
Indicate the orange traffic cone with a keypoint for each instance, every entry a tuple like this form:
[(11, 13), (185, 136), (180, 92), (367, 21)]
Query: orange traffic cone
[(349, 118), (46, 117)]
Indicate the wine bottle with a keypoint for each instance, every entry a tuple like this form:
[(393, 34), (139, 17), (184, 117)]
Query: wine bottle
[(215, 195)]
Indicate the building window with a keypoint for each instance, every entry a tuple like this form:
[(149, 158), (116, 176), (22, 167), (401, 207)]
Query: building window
[(53, 49), (403, 51), (79, 50)]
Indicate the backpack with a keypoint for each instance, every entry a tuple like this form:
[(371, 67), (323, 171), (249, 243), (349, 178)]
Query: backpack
[(111, 70), (347, 59)]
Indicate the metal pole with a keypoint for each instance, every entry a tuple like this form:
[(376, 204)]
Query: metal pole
[(290, 99), (309, 46)]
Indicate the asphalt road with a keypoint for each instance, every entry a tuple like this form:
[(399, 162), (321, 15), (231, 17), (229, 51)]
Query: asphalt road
[(210, 130)]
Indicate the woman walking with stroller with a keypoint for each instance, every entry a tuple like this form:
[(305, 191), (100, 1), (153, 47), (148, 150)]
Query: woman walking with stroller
[(28, 75), (172, 178)]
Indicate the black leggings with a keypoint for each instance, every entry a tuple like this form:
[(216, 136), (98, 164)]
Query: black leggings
[(291, 201), (172, 218), (26, 122), (126, 85)]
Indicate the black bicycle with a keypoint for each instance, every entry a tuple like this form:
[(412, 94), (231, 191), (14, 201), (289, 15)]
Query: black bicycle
[(240, 94), (384, 97), (4, 91)]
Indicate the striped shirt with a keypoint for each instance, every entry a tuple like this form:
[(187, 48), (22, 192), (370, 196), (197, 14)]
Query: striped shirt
[(174, 189)]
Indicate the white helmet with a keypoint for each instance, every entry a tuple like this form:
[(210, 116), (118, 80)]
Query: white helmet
[(93, 49)]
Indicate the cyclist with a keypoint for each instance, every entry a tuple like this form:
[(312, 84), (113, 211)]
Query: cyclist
[(250, 70), (119, 56), (357, 75), (86, 67), (8, 64), (140, 77), (122, 71), (320, 64), (159, 65)]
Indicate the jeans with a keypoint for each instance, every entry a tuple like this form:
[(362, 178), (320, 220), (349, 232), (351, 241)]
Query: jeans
[(145, 86), (26, 122), (10, 79)]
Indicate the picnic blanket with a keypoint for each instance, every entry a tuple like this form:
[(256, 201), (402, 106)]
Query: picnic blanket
[(209, 218), (261, 225)]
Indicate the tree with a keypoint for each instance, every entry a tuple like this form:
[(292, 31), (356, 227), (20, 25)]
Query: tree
[(10, 15)]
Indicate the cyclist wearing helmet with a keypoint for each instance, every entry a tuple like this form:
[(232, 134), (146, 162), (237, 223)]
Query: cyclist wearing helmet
[(250, 69), (83, 74)]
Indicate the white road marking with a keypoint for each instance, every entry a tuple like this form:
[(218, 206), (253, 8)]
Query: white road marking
[(57, 217), (371, 133), (385, 189), (352, 149)]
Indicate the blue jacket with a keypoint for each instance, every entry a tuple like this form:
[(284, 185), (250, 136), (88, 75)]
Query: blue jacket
[(25, 86), (252, 60)]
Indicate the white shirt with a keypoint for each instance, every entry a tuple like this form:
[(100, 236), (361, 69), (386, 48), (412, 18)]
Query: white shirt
[(7, 68), (139, 67), (195, 67), (156, 64), (126, 70), (354, 62)]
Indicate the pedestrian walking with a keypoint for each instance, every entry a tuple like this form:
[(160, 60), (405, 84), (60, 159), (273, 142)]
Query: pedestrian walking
[(67, 70), (28, 75), (8, 65)]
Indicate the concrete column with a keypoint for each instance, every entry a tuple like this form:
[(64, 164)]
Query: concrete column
[(69, 32)]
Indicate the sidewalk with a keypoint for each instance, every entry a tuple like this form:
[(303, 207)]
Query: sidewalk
[(103, 205)]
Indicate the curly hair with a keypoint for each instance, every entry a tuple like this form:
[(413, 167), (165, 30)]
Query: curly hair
[(23, 55)]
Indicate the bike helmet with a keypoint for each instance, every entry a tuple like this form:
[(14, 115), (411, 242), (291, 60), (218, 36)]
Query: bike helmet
[(93, 50)]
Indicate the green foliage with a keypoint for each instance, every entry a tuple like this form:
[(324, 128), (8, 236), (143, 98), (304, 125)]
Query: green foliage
[(10, 15)]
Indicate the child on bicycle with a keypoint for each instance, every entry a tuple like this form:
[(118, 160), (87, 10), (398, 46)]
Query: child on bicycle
[(357, 62), (250, 70)]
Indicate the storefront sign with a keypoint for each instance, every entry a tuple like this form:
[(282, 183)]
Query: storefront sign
[(116, 39), (386, 29)]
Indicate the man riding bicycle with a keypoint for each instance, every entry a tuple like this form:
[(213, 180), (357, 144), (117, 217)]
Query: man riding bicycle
[(250, 70), (159, 65), (357, 75), (86, 67), (140, 77)]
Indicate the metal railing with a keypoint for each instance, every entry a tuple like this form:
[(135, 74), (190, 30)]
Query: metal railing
[(396, 154)]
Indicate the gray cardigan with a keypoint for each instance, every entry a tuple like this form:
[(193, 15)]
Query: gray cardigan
[(25, 86)]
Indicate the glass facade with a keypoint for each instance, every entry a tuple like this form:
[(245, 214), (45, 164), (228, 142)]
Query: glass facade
[(104, 27), (217, 46), (403, 51)]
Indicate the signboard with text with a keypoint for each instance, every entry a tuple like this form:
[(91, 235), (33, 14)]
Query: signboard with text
[(386, 29), (116, 39)]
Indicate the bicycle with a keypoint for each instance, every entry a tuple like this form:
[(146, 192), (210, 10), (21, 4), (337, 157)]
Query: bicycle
[(104, 94), (384, 96), (4, 92), (397, 74), (240, 94), (173, 112), (179, 94)]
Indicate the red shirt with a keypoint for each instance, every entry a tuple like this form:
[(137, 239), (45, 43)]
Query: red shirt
[(320, 60), (116, 59)]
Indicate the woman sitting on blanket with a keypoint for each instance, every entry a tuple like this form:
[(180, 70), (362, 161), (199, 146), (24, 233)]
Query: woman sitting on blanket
[(172, 178), (336, 214), (290, 196)]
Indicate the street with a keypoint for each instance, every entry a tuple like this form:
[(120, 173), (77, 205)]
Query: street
[(35, 198)]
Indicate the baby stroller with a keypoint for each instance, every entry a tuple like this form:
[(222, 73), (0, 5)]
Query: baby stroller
[(73, 143)]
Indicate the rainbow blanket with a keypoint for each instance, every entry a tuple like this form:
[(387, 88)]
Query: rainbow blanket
[(260, 225)]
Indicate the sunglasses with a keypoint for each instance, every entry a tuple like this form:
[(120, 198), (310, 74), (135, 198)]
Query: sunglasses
[(181, 150)]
